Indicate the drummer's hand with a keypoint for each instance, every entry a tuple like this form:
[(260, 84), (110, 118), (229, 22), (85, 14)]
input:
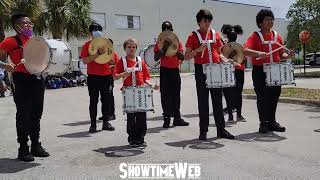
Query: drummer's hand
[(291, 54), (262, 55), (125, 74), (101, 51), (156, 87), (112, 62), (201, 48), (10, 67)]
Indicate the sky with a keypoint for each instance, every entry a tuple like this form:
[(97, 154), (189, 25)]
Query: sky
[(279, 7)]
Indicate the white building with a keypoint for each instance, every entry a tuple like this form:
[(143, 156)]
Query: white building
[(142, 19)]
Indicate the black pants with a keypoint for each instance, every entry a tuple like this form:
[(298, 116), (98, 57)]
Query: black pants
[(233, 95), (170, 87), (136, 126), (28, 97), (102, 85), (110, 103), (203, 101), (267, 97)]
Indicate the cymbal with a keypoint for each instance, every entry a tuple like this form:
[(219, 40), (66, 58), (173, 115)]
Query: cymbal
[(174, 42), (233, 50), (101, 42)]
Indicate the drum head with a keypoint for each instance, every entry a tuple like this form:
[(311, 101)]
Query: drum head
[(36, 55), (148, 56)]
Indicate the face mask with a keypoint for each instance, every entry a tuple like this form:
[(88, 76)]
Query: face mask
[(26, 31), (96, 34)]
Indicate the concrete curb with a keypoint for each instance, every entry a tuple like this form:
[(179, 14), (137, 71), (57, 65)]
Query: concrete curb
[(306, 102)]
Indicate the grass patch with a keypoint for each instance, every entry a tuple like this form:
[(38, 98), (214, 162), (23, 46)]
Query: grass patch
[(308, 74), (302, 93)]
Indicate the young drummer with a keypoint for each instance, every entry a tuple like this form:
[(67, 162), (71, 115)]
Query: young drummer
[(170, 81), (137, 121), (256, 46), (194, 49)]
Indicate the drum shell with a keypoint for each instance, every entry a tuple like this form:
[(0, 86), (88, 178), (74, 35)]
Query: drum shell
[(137, 99), (219, 75)]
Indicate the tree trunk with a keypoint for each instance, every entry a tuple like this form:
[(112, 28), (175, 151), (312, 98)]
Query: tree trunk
[(2, 35)]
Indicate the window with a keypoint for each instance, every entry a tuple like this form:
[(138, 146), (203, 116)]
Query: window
[(99, 18), (127, 22)]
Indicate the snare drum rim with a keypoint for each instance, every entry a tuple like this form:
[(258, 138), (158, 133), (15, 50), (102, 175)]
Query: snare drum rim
[(144, 55)]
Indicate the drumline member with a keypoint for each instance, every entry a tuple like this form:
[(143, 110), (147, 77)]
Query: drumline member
[(29, 90), (257, 45), (99, 81), (170, 81), (194, 48), (233, 95), (137, 121)]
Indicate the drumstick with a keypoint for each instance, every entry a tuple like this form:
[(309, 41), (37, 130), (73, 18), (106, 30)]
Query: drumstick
[(283, 46), (206, 42), (131, 70), (273, 51), (23, 61)]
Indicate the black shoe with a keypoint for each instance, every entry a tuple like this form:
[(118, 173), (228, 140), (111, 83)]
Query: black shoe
[(166, 123), (230, 118), (24, 154), (225, 134), (180, 122), (263, 129), (276, 127), (203, 136), (133, 144), (101, 118), (241, 118), (93, 129), (107, 126), (142, 144), (112, 117), (38, 151)]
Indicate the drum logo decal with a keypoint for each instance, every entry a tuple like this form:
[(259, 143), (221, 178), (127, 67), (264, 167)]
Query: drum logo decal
[(139, 99)]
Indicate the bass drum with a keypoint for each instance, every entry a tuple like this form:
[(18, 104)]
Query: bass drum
[(147, 54), (47, 56)]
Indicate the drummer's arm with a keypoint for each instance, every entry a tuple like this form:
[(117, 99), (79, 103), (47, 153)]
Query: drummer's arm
[(189, 54), (89, 59), (7, 66), (121, 75), (158, 55)]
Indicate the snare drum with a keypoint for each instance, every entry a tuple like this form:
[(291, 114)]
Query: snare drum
[(137, 99), (219, 75), (279, 74), (47, 56)]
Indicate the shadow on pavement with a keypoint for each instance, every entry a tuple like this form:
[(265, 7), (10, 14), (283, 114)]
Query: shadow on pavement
[(155, 118), (84, 134), (80, 123), (197, 144), (312, 109), (317, 130), (14, 165), (120, 151), (157, 129), (255, 136)]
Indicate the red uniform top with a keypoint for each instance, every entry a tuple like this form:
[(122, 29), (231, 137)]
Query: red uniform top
[(254, 42), (94, 68), (193, 43), (141, 76), (11, 47), (169, 62)]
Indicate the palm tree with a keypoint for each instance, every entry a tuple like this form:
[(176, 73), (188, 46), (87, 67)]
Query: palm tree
[(5, 9), (65, 18)]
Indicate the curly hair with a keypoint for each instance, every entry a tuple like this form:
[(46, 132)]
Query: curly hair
[(231, 31), (262, 14)]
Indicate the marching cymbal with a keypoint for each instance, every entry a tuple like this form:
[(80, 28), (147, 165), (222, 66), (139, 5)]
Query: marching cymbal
[(174, 42), (233, 50), (101, 42)]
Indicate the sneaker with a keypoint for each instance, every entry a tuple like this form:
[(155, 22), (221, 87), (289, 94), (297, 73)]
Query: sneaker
[(38, 151), (166, 123), (203, 136), (225, 134), (241, 118), (24, 154), (142, 144), (276, 127), (180, 122), (263, 128), (112, 117), (107, 126), (93, 129), (133, 144)]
